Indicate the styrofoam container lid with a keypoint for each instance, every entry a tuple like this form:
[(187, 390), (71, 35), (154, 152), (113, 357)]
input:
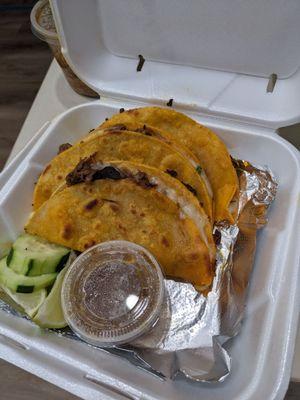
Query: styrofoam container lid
[(213, 59)]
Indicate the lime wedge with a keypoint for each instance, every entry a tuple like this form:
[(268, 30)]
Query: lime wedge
[(50, 314), (29, 302)]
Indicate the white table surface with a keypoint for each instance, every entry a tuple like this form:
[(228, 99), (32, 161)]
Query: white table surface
[(54, 97)]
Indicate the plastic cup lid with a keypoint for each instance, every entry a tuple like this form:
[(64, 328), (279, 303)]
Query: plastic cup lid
[(113, 293)]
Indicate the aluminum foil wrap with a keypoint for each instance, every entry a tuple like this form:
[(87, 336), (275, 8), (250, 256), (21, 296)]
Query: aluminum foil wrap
[(192, 328)]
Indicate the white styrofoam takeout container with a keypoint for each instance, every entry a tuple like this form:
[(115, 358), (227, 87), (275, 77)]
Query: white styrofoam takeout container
[(262, 352)]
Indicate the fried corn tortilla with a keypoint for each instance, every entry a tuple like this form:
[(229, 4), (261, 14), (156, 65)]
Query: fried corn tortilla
[(127, 201), (138, 127), (135, 126), (205, 144), (127, 146)]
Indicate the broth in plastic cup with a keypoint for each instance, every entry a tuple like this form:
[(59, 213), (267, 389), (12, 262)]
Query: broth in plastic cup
[(43, 26), (113, 293)]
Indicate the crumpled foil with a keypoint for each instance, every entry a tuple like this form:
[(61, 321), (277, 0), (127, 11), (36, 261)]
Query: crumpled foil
[(192, 328)]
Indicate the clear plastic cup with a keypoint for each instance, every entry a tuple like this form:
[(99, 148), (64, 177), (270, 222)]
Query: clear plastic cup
[(113, 293), (43, 26)]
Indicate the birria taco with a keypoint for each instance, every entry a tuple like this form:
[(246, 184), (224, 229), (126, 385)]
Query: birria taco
[(128, 146), (205, 144), (141, 204)]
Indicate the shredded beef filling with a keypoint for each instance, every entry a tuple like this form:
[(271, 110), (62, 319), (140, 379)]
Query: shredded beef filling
[(171, 172), (145, 130), (63, 147), (190, 188), (119, 127), (87, 170)]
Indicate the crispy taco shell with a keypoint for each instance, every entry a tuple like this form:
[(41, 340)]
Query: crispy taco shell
[(122, 200), (205, 144), (128, 146)]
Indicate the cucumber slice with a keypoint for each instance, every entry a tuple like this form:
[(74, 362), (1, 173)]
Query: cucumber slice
[(50, 314), (28, 302), (32, 256), (23, 284)]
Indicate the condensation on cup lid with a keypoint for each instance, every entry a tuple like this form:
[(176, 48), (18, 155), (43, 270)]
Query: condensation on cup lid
[(113, 293)]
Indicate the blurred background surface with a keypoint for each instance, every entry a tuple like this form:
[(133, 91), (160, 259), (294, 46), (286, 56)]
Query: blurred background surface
[(24, 60)]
